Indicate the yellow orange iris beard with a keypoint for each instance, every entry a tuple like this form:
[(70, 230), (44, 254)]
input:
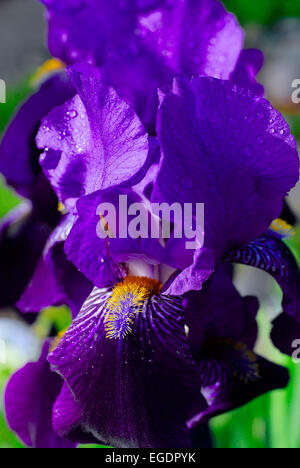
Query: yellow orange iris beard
[(126, 301), (282, 228)]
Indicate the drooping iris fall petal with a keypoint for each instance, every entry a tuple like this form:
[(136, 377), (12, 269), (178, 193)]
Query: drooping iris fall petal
[(131, 379), (269, 253)]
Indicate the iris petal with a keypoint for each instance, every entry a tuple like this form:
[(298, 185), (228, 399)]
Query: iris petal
[(56, 281), (285, 334), (92, 142), (29, 397), (269, 253), (231, 151), (128, 388), (232, 379)]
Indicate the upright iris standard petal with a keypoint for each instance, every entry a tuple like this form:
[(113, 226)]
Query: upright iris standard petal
[(29, 397), (271, 254), (229, 150), (140, 46), (93, 142), (135, 389), (90, 30), (249, 65), (193, 37), (18, 154)]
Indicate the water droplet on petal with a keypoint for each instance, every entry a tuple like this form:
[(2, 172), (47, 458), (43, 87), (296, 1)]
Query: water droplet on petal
[(73, 114)]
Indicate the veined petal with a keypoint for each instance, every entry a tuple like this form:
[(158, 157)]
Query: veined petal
[(140, 45), (269, 253), (285, 334), (66, 413), (135, 391), (93, 142)]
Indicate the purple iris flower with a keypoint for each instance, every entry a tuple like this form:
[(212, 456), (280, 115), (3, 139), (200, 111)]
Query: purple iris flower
[(132, 385), (56, 280), (164, 327), (128, 389), (141, 46), (129, 42)]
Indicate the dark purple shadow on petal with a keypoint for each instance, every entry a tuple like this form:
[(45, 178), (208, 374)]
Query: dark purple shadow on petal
[(67, 413), (22, 238), (56, 281), (229, 392), (285, 334), (219, 311), (288, 215)]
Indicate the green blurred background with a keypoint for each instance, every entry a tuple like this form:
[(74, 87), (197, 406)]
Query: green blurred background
[(272, 421)]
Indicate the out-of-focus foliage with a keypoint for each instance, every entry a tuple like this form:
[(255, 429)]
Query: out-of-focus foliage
[(8, 199), (294, 123), (13, 98), (263, 12), (294, 243), (53, 318)]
